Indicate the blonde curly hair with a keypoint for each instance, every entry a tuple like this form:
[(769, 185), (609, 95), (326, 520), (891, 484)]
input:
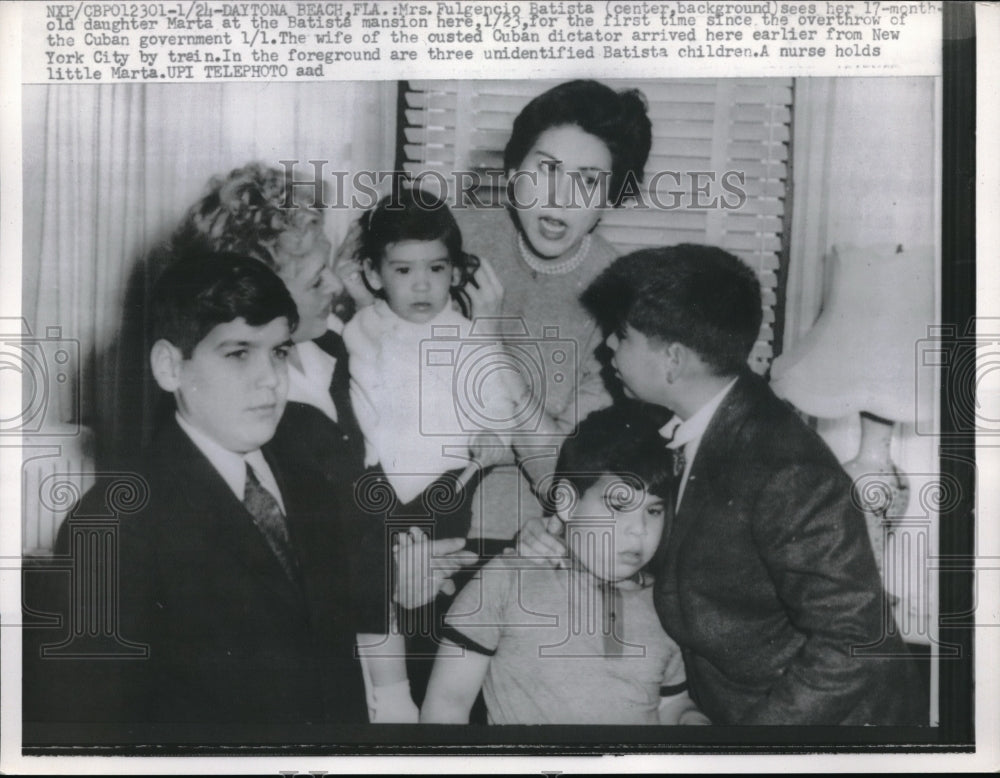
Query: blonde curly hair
[(245, 212)]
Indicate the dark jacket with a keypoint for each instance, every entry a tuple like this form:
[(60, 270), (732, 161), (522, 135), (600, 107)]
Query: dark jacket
[(334, 452), (768, 582), (228, 637), (335, 449)]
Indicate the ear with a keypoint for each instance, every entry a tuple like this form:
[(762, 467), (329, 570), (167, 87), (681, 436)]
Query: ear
[(165, 360), (372, 275), (676, 361)]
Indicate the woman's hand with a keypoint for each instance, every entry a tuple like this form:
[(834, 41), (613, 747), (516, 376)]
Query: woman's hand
[(424, 566), (348, 269), (489, 449), (537, 539), (487, 298)]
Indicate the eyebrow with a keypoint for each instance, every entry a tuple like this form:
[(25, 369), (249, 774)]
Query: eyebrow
[(553, 157), (408, 262), (227, 344), (649, 499)]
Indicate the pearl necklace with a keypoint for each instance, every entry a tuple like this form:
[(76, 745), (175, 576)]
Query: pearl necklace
[(549, 268)]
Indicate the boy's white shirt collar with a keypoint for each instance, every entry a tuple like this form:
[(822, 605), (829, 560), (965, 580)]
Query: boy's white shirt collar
[(232, 466), (311, 384), (688, 433), (680, 433)]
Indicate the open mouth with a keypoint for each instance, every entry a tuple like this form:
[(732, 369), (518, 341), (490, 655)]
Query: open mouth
[(552, 228)]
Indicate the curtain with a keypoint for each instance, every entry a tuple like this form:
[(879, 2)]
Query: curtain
[(109, 171), (863, 173), (866, 172), (810, 180)]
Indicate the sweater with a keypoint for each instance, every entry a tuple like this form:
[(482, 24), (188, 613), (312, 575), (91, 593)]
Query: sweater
[(553, 319), (403, 390)]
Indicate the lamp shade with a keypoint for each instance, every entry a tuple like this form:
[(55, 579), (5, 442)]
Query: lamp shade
[(861, 353)]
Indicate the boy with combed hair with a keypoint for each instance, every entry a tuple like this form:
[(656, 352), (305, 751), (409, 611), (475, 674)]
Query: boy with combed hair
[(231, 564)]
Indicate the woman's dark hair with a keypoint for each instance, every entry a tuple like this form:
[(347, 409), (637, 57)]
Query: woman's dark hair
[(618, 119), (414, 214)]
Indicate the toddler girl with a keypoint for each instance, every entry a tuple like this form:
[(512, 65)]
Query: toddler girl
[(432, 411)]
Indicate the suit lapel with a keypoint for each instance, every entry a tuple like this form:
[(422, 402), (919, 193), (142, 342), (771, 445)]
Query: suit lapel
[(315, 530), (227, 524), (299, 527), (711, 455)]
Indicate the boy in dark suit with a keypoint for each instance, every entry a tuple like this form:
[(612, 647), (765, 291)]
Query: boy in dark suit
[(230, 604), (256, 210), (767, 578)]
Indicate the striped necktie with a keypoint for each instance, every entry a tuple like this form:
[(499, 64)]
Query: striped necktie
[(271, 522), (678, 463)]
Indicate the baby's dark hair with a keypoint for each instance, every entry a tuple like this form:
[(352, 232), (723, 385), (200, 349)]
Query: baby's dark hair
[(619, 119), (200, 290), (622, 440), (414, 214)]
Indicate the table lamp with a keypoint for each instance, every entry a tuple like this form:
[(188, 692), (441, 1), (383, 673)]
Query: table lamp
[(860, 358)]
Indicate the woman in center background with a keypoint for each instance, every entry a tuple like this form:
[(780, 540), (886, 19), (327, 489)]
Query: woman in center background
[(574, 151)]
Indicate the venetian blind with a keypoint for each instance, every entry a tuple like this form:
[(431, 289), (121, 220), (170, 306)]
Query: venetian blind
[(701, 128)]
